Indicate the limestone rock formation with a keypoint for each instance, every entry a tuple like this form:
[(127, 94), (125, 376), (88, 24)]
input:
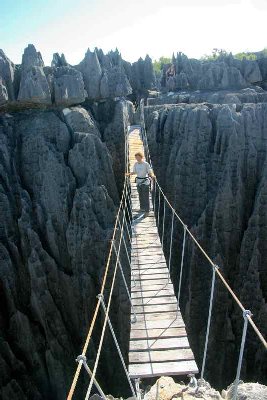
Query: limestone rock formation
[(7, 76), (166, 389), (142, 75), (92, 73), (3, 93), (222, 73), (58, 199), (104, 75), (68, 86), (59, 61), (211, 161), (246, 95), (34, 87), (80, 120), (246, 391)]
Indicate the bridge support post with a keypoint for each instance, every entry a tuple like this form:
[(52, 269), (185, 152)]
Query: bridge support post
[(170, 251), (246, 314), (83, 359), (158, 208), (163, 222), (101, 298), (137, 387), (181, 270)]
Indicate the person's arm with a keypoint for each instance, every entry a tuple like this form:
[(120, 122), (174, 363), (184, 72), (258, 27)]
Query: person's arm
[(133, 172), (151, 172)]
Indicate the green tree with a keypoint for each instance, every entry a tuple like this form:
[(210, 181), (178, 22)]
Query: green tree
[(158, 64)]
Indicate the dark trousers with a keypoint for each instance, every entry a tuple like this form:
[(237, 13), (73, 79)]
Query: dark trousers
[(143, 191)]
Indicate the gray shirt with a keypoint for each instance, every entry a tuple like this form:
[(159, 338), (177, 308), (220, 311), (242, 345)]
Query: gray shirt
[(142, 170)]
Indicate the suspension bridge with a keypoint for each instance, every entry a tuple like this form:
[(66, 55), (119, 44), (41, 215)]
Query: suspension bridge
[(158, 343)]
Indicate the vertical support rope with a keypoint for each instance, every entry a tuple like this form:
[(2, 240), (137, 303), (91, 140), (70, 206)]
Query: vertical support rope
[(158, 208), (154, 202), (137, 386), (208, 323), (101, 297), (181, 269), (246, 314), (163, 223), (170, 251)]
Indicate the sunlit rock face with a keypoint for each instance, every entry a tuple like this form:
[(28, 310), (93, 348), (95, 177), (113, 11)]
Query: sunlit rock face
[(98, 77), (211, 161), (226, 72)]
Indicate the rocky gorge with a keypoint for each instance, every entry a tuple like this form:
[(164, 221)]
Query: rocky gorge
[(62, 141)]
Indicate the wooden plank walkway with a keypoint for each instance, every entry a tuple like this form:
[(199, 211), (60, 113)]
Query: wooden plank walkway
[(158, 340)]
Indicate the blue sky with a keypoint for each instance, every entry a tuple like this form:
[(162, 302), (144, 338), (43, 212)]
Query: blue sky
[(137, 27)]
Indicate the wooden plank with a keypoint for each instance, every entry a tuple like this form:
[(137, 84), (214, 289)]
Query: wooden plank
[(163, 369), (157, 332), (149, 294), (158, 344), (150, 283), (159, 324), (158, 316), (148, 266), (156, 287), (154, 300), (155, 308), (160, 356), (148, 275)]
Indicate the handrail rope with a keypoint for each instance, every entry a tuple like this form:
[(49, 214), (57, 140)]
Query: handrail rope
[(252, 323), (93, 321), (107, 308)]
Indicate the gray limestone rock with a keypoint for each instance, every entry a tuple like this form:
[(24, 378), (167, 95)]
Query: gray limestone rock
[(246, 391), (3, 93), (251, 71), (34, 87), (7, 74), (92, 73), (211, 161), (59, 61), (104, 86), (68, 86), (182, 81), (232, 78), (80, 120), (58, 201), (225, 72)]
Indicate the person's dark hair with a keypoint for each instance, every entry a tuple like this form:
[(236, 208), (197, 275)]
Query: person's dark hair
[(139, 154)]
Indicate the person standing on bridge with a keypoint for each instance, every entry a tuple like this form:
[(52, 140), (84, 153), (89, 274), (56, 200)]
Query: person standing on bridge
[(143, 171)]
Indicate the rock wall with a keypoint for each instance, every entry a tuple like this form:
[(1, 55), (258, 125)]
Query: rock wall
[(226, 72), (58, 199), (211, 161)]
